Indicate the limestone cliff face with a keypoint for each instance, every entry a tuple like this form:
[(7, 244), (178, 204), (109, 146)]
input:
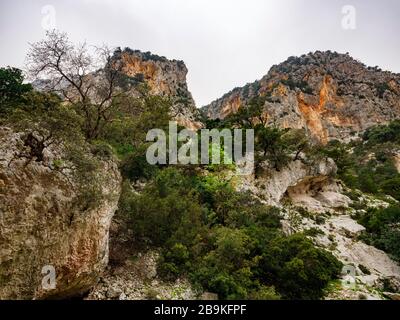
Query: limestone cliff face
[(310, 185), (160, 75), (41, 224), (306, 184), (331, 95), (164, 77)]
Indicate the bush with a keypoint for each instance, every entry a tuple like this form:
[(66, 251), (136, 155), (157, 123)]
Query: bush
[(313, 232), (392, 187), (174, 261), (306, 270), (224, 270), (12, 88), (135, 165), (382, 229), (165, 211), (383, 133), (264, 293), (364, 269), (224, 241), (381, 88), (367, 165)]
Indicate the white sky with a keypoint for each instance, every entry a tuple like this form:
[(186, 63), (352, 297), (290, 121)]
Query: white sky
[(224, 43)]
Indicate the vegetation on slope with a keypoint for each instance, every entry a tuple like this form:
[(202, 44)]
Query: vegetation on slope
[(222, 240), (369, 165), (226, 242)]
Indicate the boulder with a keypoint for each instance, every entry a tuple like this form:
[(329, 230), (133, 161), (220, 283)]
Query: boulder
[(50, 246)]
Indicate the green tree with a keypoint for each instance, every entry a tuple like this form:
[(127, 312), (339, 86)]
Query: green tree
[(12, 88), (392, 187), (226, 269), (166, 210), (382, 229), (304, 269), (383, 133), (271, 145), (250, 115)]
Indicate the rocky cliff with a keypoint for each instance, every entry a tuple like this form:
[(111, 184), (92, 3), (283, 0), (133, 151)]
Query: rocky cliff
[(312, 199), (43, 226), (332, 95), (159, 75), (164, 77)]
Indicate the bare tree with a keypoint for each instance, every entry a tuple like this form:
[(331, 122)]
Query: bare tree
[(89, 80)]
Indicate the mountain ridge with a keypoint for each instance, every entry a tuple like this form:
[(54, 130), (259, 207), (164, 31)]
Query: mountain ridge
[(331, 95)]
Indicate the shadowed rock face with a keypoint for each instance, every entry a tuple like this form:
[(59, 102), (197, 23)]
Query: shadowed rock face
[(42, 224), (332, 95)]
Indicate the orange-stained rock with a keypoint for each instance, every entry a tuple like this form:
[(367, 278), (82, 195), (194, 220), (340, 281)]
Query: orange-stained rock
[(43, 224), (329, 94), (164, 77)]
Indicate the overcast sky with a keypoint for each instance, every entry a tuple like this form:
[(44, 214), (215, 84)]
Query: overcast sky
[(224, 43)]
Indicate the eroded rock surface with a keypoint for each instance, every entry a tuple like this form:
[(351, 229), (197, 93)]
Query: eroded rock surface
[(42, 224), (164, 77), (307, 184), (329, 94)]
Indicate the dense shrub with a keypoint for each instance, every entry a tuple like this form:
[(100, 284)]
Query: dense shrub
[(368, 164), (166, 210), (381, 88), (383, 133), (383, 229), (12, 88), (302, 85), (306, 270), (224, 241)]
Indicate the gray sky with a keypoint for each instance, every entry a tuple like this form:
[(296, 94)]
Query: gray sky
[(224, 43)]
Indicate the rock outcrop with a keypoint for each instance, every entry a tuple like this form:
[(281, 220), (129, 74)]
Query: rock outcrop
[(164, 77), (42, 225), (370, 266), (311, 199), (308, 185), (158, 74), (329, 94)]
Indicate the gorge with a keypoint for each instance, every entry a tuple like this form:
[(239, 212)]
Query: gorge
[(171, 231)]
